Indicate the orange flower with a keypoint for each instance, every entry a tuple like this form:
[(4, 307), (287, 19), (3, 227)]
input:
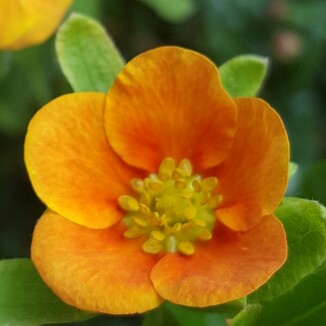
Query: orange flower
[(25, 23), (163, 189)]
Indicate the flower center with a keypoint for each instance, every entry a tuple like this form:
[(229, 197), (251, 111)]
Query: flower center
[(174, 208)]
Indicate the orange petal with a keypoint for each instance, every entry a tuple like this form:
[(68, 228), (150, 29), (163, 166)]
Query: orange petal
[(93, 270), (231, 265), (254, 176), (70, 163), (26, 23), (170, 102)]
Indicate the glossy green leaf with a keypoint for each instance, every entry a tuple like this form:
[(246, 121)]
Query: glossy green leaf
[(305, 225), (26, 301), (171, 10), (174, 315), (244, 75), (304, 305), (87, 55)]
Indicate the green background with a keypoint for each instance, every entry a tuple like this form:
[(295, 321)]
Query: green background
[(292, 34)]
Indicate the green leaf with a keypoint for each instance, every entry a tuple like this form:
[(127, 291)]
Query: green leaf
[(87, 55), (248, 316), (171, 10), (242, 76), (174, 315), (305, 226), (26, 300), (304, 305)]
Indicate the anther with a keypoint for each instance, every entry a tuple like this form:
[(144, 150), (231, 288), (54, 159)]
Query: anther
[(140, 222), (186, 167), (155, 216), (209, 184), (164, 220), (189, 212), (180, 184), (137, 185), (133, 232), (155, 219), (214, 201), (155, 185), (157, 235), (144, 209), (176, 228), (128, 203), (145, 198), (166, 168), (205, 235), (200, 222), (196, 184), (186, 247), (186, 193), (204, 198), (152, 246), (178, 174)]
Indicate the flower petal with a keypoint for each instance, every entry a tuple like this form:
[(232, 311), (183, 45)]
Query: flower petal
[(254, 176), (94, 270), (71, 164), (26, 23), (229, 266), (169, 102)]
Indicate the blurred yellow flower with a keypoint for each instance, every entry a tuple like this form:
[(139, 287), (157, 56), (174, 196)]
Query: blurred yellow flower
[(25, 23)]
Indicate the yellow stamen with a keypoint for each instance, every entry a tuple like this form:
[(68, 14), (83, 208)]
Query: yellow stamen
[(144, 209), (152, 246), (186, 167), (173, 209), (187, 193), (155, 185), (209, 184), (145, 198), (177, 174), (205, 235), (186, 247), (176, 227), (166, 168), (158, 235), (204, 198), (196, 184), (189, 212), (133, 232), (137, 185), (214, 201), (200, 222), (128, 203), (140, 222), (180, 184)]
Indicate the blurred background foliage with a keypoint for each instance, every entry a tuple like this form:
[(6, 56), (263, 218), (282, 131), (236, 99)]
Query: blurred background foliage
[(292, 34)]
